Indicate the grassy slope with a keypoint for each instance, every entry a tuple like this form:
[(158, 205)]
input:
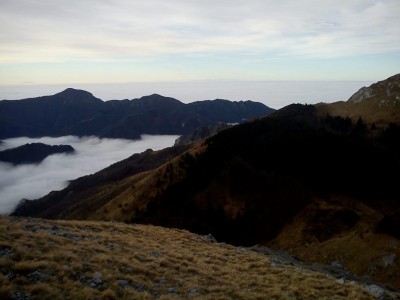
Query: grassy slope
[(357, 245), (370, 111), (379, 103), (129, 197), (45, 259)]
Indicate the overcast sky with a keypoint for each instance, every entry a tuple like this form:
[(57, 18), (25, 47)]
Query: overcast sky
[(60, 41)]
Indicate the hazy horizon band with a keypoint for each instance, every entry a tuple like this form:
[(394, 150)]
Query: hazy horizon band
[(275, 94)]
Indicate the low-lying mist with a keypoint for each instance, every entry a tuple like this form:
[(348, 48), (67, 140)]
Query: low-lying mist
[(92, 154)]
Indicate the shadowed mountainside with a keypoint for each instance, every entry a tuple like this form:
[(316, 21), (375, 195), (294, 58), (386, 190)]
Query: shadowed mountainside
[(77, 112), (32, 153), (201, 133)]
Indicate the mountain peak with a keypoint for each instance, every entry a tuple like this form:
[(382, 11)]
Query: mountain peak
[(158, 100), (158, 97), (74, 92), (73, 96)]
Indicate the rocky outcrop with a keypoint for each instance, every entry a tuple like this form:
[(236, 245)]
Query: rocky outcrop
[(377, 105), (361, 95), (386, 90)]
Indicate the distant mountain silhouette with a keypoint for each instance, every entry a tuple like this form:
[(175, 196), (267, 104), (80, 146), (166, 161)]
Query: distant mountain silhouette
[(77, 112), (32, 153)]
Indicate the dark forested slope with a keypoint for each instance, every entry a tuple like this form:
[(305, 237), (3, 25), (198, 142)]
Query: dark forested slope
[(32, 153)]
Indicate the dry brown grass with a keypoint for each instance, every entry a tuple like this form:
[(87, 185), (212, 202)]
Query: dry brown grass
[(370, 111), (59, 259), (124, 199), (361, 249)]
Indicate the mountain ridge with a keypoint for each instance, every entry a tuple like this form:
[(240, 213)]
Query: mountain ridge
[(77, 112), (378, 104)]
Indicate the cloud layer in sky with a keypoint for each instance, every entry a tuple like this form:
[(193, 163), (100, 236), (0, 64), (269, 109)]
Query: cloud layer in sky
[(195, 39), (92, 154)]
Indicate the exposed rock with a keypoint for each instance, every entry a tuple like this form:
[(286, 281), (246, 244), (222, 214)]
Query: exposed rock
[(362, 94), (37, 276), (156, 254), (54, 230), (138, 287), (72, 237), (5, 251), (96, 280), (338, 264), (123, 283), (387, 90), (172, 290), (209, 238), (193, 292), (19, 295), (375, 291), (335, 270), (341, 280), (127, 270), (10, 275), (161, 282), (388, 260), (377, 104)]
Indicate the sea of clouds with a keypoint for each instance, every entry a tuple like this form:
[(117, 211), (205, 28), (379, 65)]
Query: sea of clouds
[(92, 154)]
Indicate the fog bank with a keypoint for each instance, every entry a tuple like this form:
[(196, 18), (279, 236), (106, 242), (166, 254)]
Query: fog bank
[(92, 154)]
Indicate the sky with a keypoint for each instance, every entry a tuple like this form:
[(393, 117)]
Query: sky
[(92, 154), (106, 41)]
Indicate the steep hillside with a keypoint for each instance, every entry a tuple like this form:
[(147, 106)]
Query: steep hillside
[(77, 112), (85, 195), (32, 153), (378, 103), (246, 184), (346, 230), (201, 133), (99, 260)]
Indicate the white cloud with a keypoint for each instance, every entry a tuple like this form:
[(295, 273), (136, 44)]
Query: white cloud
[(123, 30), (92, 155)]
